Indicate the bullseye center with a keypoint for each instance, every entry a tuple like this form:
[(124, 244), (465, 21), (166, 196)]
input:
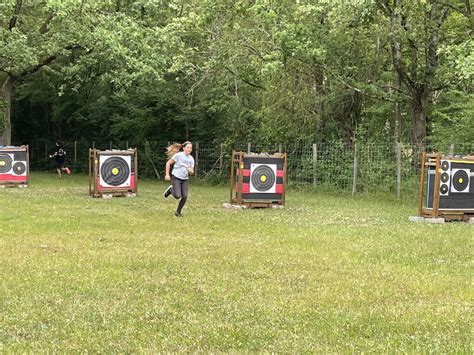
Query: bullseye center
[(3, 163), (263, 178), (461, 180), (115, 171)]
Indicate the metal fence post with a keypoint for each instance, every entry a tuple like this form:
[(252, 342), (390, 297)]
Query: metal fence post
[(354, 174), (451, 149), (399, 167), (196, 163), (75, 154), (221, 159), (249, 148), (315, 160), (147, 154)]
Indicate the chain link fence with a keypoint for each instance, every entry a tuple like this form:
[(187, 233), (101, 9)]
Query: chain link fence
[(357, 167)]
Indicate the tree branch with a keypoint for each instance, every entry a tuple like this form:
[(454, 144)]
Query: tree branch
[(44, 28), (450, 6), (16, 13), (253, 50), (246, 81), (45, 62), (385, 7)]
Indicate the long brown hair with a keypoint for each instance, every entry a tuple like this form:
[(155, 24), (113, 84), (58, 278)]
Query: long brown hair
[(175, 148)]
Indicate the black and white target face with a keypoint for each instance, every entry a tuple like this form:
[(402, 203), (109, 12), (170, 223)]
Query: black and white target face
[(263, 178), (19, 168), (460, 180), (115, 170), (5, 163), (445, 165)]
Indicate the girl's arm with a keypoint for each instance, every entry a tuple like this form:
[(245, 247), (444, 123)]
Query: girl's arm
[(167, 168)]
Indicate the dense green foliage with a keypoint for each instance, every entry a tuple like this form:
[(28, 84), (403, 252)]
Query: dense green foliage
[(240, 70), (328, 274)]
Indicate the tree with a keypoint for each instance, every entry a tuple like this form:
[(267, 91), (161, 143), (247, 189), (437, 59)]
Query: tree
[(415, 36), (37, 34)]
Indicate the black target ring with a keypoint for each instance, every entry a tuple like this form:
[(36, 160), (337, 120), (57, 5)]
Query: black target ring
[(115, 171), (445, 165), (460, 180), (444, 177), (5, 163), (444, 189), (19, 168), (263, 178)]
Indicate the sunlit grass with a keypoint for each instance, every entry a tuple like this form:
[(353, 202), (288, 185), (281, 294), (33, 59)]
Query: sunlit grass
[(329, 273)]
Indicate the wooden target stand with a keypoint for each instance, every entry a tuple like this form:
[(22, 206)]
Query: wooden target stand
[(438, 202), (257, 180), (19, 174), (105, 179)]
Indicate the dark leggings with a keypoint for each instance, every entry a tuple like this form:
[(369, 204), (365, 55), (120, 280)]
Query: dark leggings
[(180, 191)]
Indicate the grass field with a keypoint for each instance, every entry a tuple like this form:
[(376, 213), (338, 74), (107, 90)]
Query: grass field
[(329, 273)]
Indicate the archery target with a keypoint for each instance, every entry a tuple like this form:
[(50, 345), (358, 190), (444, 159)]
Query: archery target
[(13, 164), (19, 168), (5, 163), (445, 165), (115, 171), (444, 189), (460, 180), (445, 178), (455, 190), (263, 178)]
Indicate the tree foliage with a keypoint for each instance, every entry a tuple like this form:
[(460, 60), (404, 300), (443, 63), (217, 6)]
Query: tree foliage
[(265, 70)]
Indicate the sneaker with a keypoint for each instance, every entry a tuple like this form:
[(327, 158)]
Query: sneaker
[(68, 171), (167, 191), (177, 214)]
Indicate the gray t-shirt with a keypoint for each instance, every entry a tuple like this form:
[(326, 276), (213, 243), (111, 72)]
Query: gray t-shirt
[(181, 165)]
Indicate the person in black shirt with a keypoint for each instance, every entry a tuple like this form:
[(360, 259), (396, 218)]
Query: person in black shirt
[(59, 157)]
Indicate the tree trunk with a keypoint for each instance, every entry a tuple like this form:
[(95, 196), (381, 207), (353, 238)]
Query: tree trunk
[(318, 108), (467, 4), (5, 96), (419, 104), (398, 113)]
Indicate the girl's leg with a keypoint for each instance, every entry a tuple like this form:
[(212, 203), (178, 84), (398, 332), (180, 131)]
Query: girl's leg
[(66, 169), (184, 195), (176, 190)]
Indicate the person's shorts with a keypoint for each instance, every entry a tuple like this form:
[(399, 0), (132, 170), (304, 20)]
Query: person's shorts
[(60, 164)]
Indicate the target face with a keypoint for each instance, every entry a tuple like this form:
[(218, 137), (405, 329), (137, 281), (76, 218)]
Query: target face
[(460, 180), (19, 168), (263, 178), (444, 189), (445, 165), (115, 171), (444, 178), (5, 163)]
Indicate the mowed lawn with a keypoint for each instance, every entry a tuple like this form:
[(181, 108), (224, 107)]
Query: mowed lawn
[(329, 273)]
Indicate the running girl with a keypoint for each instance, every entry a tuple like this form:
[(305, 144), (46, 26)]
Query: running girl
[(179, 155)]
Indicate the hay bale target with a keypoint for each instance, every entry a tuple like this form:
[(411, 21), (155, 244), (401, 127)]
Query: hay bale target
[(14, 166), (258, 180), (112, 172), (446, 187)]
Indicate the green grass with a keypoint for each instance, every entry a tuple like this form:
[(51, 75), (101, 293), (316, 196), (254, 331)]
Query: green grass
[(329, 273)]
